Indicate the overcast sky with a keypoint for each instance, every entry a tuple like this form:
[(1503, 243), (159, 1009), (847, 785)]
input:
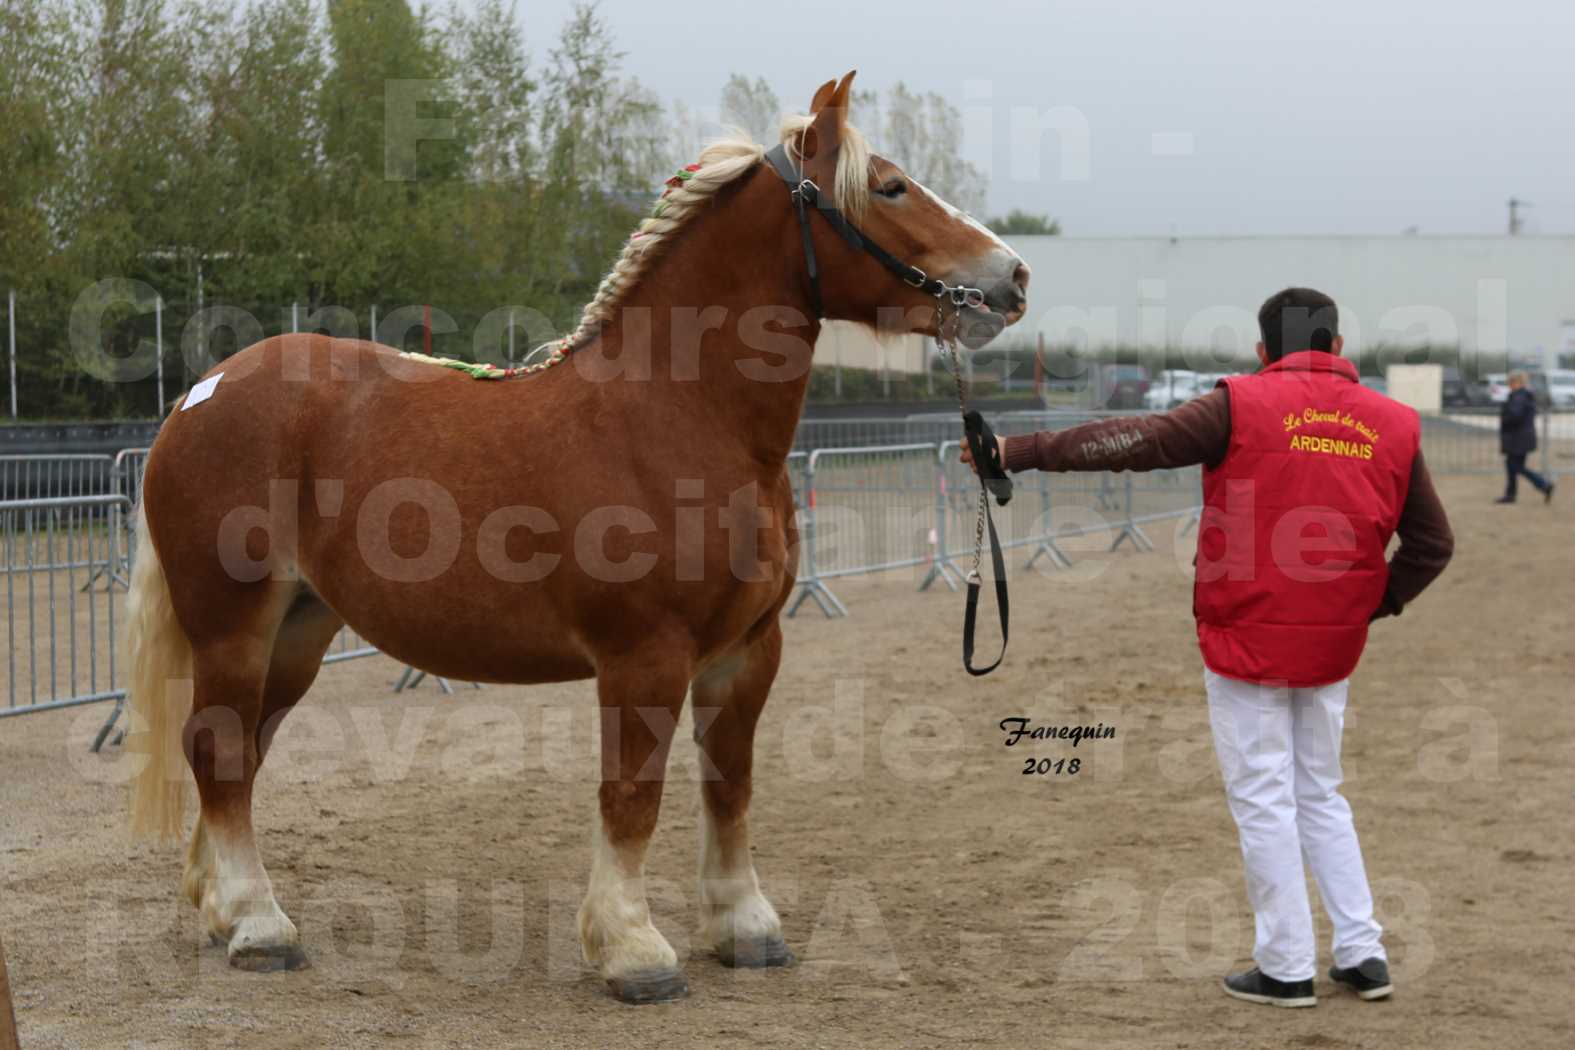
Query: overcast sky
[(1149, 117)]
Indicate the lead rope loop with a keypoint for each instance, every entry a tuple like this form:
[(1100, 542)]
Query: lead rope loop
[(976, 437)]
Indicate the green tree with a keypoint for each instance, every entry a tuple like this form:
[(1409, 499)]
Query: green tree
[(394, 158), (495, 90), (257, 231), (599, 135), (323, 152), (922, 134), (752, 107), (37, 52), (1024, 223)]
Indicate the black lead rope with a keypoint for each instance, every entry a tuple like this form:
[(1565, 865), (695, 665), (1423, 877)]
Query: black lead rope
[(993, 480), (986, 451)]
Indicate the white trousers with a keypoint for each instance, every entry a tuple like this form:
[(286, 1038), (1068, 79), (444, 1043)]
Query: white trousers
[(1279, 753)]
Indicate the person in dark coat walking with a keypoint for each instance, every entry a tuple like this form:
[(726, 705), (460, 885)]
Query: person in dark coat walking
[(1517, 436)]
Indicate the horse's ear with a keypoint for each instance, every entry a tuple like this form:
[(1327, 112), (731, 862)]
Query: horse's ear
[(824, 133), (822, 96), (844, 91)]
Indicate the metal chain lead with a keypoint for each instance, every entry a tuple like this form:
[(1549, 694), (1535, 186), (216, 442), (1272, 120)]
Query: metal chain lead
[(954, 362)]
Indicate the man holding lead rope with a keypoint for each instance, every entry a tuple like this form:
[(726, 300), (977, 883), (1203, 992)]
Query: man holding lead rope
[(1307, 475)]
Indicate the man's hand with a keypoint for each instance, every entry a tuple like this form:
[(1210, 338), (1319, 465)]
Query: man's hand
[(967, 453)]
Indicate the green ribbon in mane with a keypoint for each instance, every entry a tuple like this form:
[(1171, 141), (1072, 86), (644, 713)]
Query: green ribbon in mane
[(474, 369)]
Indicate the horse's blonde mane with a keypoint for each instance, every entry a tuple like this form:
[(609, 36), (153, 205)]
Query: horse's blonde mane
[(721, 163)]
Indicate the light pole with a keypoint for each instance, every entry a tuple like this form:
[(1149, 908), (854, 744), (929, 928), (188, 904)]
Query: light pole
[(11, 324), (1515, 221), (158, 339)]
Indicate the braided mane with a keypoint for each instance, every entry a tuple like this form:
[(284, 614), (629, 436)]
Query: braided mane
[(721, 163)]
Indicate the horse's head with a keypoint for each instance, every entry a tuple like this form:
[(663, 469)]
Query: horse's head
[(910, 223)]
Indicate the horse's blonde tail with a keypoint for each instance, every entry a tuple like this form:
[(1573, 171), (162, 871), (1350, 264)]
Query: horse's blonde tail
[(159, 657)]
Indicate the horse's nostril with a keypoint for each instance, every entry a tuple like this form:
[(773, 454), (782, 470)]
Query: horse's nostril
[(1020, 277)]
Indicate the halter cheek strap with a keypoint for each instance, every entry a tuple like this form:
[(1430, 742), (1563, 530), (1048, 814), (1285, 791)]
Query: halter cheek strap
[(806, 194)]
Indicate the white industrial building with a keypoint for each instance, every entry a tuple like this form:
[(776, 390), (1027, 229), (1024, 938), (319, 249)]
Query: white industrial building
[(1487, 295)]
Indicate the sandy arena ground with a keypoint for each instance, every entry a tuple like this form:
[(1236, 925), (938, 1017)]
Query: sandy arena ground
[(433, 849)]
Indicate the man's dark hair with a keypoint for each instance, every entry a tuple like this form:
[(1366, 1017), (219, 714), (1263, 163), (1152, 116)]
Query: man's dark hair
[(1298, 319)]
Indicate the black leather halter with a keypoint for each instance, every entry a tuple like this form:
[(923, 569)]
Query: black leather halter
[(806, 194)]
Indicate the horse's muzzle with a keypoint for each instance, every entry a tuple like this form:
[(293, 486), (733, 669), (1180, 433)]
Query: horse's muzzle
[(1009, 298), (1005, 303)]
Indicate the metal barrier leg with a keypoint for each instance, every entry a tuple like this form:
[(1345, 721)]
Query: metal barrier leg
[(109, 724), (1046, 547), (409, 678), (942, 569), (810, 584), (829, 603), (1138, 537), (111, 569), (1129, 528), (109, 572), (1103, 501), (941, 566), (1193, 521)]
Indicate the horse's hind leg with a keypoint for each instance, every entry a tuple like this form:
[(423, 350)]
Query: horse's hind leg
[(736, 919), (642, 695), (242, 691)]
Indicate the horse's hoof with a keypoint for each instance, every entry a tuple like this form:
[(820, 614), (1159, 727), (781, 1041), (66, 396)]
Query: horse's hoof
[(756, 954), (639, 989), (266, 958)]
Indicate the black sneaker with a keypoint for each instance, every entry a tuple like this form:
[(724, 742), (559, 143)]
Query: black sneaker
[(1368, 979), (1547, 493), (1255, 986), (1505, 499)]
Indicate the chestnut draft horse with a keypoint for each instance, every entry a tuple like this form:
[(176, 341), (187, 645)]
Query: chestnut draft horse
[(625, 515)]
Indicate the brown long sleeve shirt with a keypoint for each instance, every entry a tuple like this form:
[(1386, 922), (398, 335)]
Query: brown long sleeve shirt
[(1199, 432)]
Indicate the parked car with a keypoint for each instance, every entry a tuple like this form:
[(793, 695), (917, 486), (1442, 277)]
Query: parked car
[(1498, 388), (1538, 381), (1173, 387), (1124, 386), (1561, 388), (1463, 392)]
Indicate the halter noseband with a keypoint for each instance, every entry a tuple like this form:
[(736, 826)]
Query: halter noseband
[(806, 193)]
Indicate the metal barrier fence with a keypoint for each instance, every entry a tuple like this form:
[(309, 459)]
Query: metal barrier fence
[(60, 630), (65, 557), (876, 508), (54, 476), (62, 477), (1465, 441), (1459, 441), (129, 465), (879, 521), (871, 494)]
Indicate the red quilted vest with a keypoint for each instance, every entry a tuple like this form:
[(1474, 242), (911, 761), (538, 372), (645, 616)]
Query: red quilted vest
[(1296, 519)]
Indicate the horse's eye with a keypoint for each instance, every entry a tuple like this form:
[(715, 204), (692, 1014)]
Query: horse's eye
[(893, 188)]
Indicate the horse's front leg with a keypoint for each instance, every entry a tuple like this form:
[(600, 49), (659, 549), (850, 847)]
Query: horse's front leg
[(735, 917), (641, 697)]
